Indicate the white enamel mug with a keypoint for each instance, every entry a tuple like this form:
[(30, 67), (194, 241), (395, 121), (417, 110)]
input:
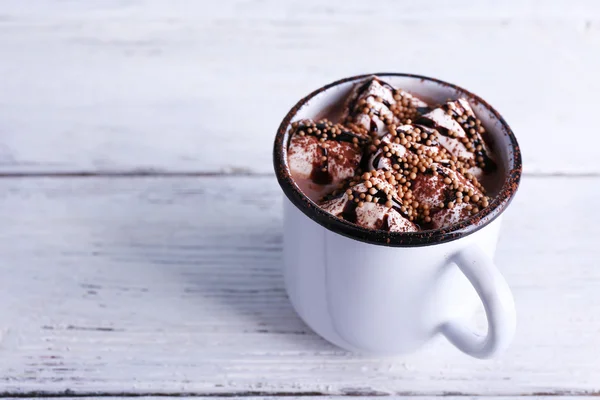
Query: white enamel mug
[(388, 293)]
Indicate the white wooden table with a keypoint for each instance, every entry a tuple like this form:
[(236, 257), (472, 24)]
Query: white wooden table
[(140, 240)]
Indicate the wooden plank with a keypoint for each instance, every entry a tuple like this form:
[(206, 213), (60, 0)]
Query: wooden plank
[(156, 285), (201, 87), (339, 397)]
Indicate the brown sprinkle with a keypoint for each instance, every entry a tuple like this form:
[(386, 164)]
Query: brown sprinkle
[(394, 180)]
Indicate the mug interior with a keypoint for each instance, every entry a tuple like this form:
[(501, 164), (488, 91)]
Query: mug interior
[(328, 102)]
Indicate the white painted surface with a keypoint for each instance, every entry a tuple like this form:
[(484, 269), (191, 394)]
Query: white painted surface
[(167, 285), (175, 285), (335, 397), (202, 85)]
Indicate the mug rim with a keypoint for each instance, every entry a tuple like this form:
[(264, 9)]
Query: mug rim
[(450, 233)]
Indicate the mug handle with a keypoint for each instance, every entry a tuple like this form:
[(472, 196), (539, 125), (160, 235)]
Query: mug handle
[(498, 303)]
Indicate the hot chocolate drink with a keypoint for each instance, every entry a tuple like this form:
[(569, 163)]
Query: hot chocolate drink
[(394, 162)]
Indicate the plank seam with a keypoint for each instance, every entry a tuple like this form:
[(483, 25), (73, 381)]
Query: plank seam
[(72, 394)]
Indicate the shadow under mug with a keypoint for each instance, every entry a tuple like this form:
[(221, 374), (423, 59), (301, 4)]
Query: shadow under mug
[(388, 292)]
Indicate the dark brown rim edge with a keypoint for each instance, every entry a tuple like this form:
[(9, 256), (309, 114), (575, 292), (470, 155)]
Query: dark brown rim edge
[(394, 239)]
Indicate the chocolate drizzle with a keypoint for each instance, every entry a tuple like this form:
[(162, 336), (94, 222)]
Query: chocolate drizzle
[(401, 113), (396, 204), (349, 212), (448, 193), (394, 159), (352, 105), (385, 223), (359, 92), (385, 85), (373, 126), (377, 160), (423, 110), (320, 169), (429, 123), (487, 165)]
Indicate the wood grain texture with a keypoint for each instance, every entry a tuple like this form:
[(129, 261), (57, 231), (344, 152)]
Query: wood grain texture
[(173, 285), (190, 86), (339, 397)]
